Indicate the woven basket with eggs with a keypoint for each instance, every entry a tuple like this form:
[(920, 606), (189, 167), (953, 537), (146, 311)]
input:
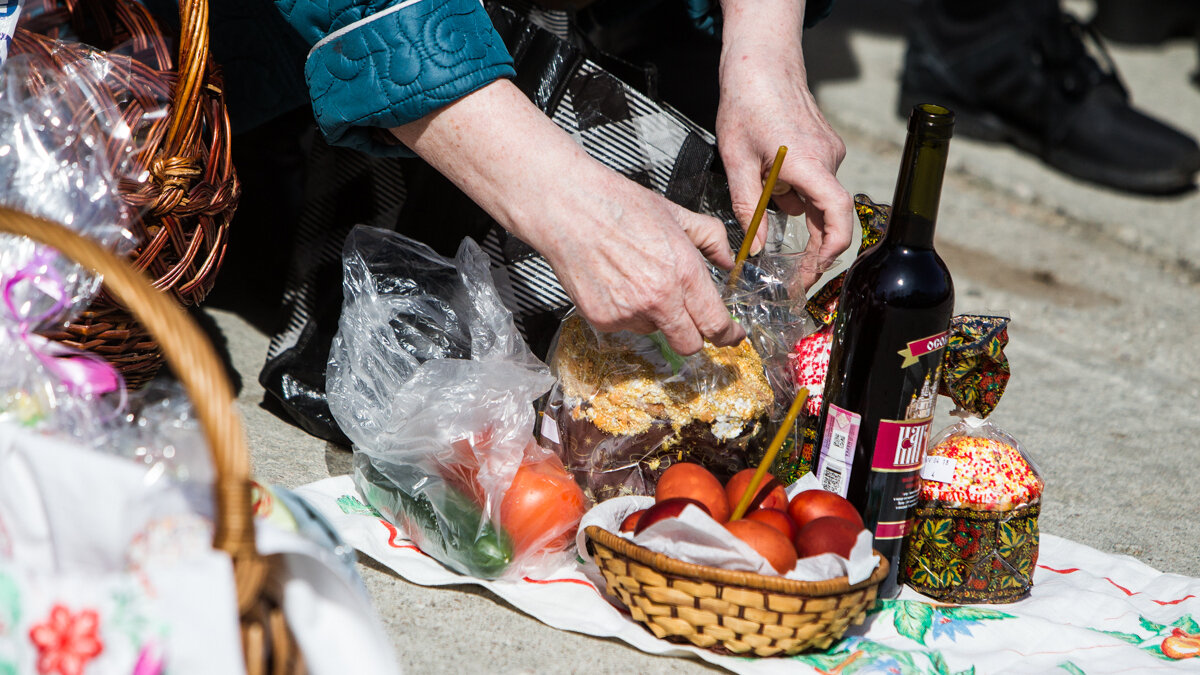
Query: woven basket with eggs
[(726, 611)]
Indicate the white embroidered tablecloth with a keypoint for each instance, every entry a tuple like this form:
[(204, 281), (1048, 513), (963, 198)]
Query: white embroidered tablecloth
[(1090, 612)]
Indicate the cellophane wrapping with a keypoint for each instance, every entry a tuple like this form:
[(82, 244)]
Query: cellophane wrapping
[(86, 535), (625, 406), (433, 384), (61, 150), (975, 531)]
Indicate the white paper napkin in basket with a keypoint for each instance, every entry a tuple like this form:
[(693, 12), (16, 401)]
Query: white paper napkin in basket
[(694, 537)]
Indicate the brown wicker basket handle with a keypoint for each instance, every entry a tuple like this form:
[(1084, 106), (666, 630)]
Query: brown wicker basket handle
[(191, 68), (195, 363)]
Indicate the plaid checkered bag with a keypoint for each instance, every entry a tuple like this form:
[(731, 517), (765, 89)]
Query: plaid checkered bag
[(615, 122)]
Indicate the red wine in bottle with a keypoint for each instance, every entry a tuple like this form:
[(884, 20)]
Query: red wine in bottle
[(886, 361)]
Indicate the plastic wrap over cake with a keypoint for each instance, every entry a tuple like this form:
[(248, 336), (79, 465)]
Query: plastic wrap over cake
[(621, 414), (625, 406)]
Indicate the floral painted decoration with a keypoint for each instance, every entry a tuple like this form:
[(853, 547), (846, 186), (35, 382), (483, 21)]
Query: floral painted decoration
[(66, 641), (976, 369), (961, 555)]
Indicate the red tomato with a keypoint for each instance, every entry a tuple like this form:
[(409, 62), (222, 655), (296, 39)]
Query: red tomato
[(828, 534), (461, 469), (768, 541), (667, 508), (816, 503), (770, 493), (776, 519), (631, 521), (542, 507), (693, 481)]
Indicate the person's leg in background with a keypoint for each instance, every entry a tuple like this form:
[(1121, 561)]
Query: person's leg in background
[(1140, 23), (1025, 72)]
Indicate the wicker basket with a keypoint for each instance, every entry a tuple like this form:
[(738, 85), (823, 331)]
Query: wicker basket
[(730, 612), (267, 643), (193, 190)]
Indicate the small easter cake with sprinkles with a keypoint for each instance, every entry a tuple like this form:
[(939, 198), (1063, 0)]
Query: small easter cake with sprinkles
[(979, 473), (974, 536)]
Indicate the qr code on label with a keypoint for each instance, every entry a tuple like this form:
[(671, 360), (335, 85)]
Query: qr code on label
[(831, 480), (839, 441)]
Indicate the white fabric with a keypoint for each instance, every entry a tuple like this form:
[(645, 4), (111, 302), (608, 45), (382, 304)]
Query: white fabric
[(85, 538), (81, 531), (331, 617), (1090, 612)]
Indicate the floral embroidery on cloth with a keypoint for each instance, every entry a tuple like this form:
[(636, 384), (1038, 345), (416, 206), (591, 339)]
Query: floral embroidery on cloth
[(921, 622), (66, 641), (1177, 640)]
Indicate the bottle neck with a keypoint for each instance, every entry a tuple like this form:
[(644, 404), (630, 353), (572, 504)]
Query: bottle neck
[(918, 191)]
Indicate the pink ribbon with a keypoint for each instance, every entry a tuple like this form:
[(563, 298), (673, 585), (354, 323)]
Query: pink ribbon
[(80, 372), (150, 660)]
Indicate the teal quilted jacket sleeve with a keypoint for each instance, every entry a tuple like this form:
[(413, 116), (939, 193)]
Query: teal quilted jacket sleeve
[(377, 64)]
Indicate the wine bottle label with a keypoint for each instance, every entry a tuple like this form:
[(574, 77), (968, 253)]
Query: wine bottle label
[(899, 450), (837, 449), (913, 352), (900, 444)]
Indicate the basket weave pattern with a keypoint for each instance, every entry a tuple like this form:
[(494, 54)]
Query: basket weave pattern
[(730, 612), (192, 190)]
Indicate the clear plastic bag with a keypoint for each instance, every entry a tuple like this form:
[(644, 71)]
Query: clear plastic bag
[(626, 407), (62, 155), (159, 430), (430, 379), (64, 150), (980, 466), (975, 533), (770, 303)]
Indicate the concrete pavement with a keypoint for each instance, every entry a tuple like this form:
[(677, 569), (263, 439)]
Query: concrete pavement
[(1104, 293)]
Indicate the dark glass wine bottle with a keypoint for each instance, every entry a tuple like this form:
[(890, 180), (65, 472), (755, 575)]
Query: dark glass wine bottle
[(886, 363)]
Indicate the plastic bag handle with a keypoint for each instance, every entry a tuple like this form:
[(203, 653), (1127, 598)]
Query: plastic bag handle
[(195, 362)]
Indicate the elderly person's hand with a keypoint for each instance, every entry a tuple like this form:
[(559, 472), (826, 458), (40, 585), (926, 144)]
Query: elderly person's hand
[(629, 258), (765, 102)]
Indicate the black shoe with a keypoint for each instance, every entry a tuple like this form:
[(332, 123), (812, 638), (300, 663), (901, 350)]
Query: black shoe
[(1025, 76), (1133, 22)]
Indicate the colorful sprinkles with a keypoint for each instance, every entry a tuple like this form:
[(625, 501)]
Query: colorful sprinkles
[(812, 363), (987, 475)]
